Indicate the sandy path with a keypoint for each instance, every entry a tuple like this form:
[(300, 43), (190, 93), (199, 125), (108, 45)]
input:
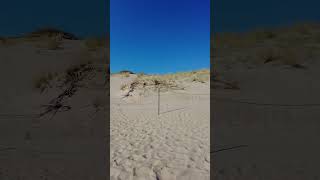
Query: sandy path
[(174, 145)]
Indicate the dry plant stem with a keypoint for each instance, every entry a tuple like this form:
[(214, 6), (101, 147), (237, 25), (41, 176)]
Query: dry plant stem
[(230, 148), (72, 81)]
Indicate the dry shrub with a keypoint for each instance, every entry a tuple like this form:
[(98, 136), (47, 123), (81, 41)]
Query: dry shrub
[(154, 81), (140, 75), (51, 32), (124, 87), (125, 74), (172, 80), (149, 83), (201, 78), (126, 71)]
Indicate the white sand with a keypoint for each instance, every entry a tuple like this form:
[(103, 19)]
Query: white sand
[(172, 145)]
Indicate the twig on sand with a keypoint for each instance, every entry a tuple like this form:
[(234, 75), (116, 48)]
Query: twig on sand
[(58, 107), (132, 87), (72, 80), (226, 149)]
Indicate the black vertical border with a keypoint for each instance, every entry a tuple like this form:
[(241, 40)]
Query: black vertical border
[(211, 90), (108, 91)]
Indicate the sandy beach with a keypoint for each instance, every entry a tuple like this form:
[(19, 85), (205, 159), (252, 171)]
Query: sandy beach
[(172, 145)]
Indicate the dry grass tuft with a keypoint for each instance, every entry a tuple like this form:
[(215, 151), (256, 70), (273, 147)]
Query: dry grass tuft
[(50, 32), (125, 74), (294, 46), (124, 87), (168, 81), (149, 83)]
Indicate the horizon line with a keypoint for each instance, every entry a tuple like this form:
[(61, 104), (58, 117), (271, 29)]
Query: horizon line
[(155, 73)]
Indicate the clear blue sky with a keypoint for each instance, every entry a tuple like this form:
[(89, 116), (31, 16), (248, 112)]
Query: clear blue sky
[(159, 36), (243, 15), (81, 17)]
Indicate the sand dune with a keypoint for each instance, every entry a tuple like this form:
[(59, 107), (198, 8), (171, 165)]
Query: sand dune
[(67, 142), (172, 145), (274, 114)]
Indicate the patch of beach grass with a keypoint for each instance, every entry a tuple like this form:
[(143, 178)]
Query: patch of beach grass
[(175, 81), (50, 32), (172, 80), (125, 74), (124, 87)]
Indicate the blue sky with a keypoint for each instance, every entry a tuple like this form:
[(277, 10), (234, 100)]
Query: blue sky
[(81, 17), (236, 15), (159, 36), (154, 36)]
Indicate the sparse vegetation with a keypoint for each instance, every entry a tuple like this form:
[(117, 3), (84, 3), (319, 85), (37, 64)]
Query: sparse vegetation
[(167, 81), (126, 72), (51, 32), (140, 74), (124, 87), (198, 79), (293, 46), (49, 38), (73, 73), (94, 44), (70, 83)]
